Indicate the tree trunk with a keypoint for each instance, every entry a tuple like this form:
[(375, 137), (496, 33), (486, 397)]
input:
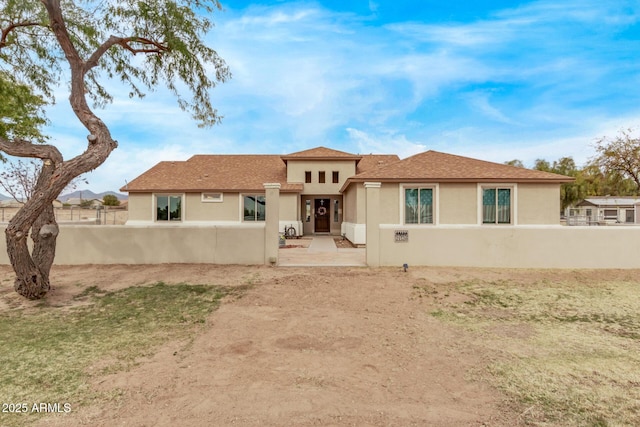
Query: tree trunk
[(32, 270)]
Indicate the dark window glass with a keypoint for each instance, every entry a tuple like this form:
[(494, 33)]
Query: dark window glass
[(336, 177), (168, 208), (321, 177), (307, 177)]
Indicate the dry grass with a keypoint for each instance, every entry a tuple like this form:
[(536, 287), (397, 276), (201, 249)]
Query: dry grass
[(50, 353), (566, 353)]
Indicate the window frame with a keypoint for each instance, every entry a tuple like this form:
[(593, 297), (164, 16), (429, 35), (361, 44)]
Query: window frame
[(257, 196), (307, 177), (335, 177), (322, 177), (513, 203), (154, 211), (435, 196), (205, 199)]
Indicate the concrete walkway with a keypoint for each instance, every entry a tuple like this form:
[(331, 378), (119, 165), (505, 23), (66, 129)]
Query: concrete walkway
[(322, 252)]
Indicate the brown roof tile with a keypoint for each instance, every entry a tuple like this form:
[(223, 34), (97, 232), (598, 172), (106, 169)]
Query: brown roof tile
[(215, 173), (373, 161), (320, 153), (441, 167)]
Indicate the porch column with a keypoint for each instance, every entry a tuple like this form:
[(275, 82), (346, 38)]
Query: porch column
[(272, 221), (373, 223)]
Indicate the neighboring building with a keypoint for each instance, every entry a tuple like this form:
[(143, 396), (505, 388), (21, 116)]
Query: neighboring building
[(605, 210), (322, 191), (76, 201)]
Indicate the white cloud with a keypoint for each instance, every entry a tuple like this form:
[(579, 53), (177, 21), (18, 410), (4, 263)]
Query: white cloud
[(384, 144)]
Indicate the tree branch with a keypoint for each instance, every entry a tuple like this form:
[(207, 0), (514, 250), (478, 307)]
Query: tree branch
[(23, 148), (125, 42), (13, 26)]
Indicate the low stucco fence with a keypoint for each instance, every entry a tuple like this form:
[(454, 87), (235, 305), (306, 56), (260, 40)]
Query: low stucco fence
[(463, 246), (511, 247), (84, 244)]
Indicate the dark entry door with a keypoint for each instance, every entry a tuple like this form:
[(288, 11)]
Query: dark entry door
[(322, 215)]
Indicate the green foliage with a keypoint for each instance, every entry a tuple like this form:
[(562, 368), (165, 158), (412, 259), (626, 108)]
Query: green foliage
[(86, 203), (590, 180), (167, 38), (515, 162), (21, 113), (110, 200)]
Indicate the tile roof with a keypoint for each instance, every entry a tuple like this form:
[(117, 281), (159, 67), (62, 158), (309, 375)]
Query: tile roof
[(215, 173), (373, 161), (250, 172), (433, 166), (320, 153)]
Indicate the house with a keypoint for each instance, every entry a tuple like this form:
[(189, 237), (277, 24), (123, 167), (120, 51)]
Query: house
[(324, 191), (605, 210)]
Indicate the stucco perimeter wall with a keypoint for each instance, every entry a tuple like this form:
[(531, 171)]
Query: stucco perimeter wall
[(512, 247), (94, 244)]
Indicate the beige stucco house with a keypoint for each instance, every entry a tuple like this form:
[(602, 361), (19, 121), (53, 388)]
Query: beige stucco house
[(323, 191)]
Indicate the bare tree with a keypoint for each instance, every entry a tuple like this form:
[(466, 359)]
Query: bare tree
[(19, 179), (620, 155), (44, 41)]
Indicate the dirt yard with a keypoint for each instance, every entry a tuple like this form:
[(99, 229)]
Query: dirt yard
[(304, 347)]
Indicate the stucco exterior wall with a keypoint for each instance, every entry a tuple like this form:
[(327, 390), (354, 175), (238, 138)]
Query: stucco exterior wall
[(296, 173), (457, 203), (538, 204), (140, 207), (389, 211), (289, 205), (350, 208), (197, 210), (512, 247), (94, 244)]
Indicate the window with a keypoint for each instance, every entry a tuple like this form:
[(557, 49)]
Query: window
[(308, 211), (611, 214), (321, 177), (336, 205), (307, 177), (254, 208), (212, 197), (496, 206), (336, 177), (168, 208), (418, 205)]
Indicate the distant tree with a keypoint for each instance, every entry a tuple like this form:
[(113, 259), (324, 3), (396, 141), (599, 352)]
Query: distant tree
[(620, 155), (542, 165), (110, 200), (86, 203), (19, 179), (84, 43), (570, 192), (515, 162)]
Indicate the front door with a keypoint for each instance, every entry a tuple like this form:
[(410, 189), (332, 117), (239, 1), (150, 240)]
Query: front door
[(322, 215)]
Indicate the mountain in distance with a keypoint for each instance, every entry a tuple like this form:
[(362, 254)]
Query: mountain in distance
[(88, 194)]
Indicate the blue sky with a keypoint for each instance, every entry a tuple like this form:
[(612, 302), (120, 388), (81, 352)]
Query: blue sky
[(494, 80)]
